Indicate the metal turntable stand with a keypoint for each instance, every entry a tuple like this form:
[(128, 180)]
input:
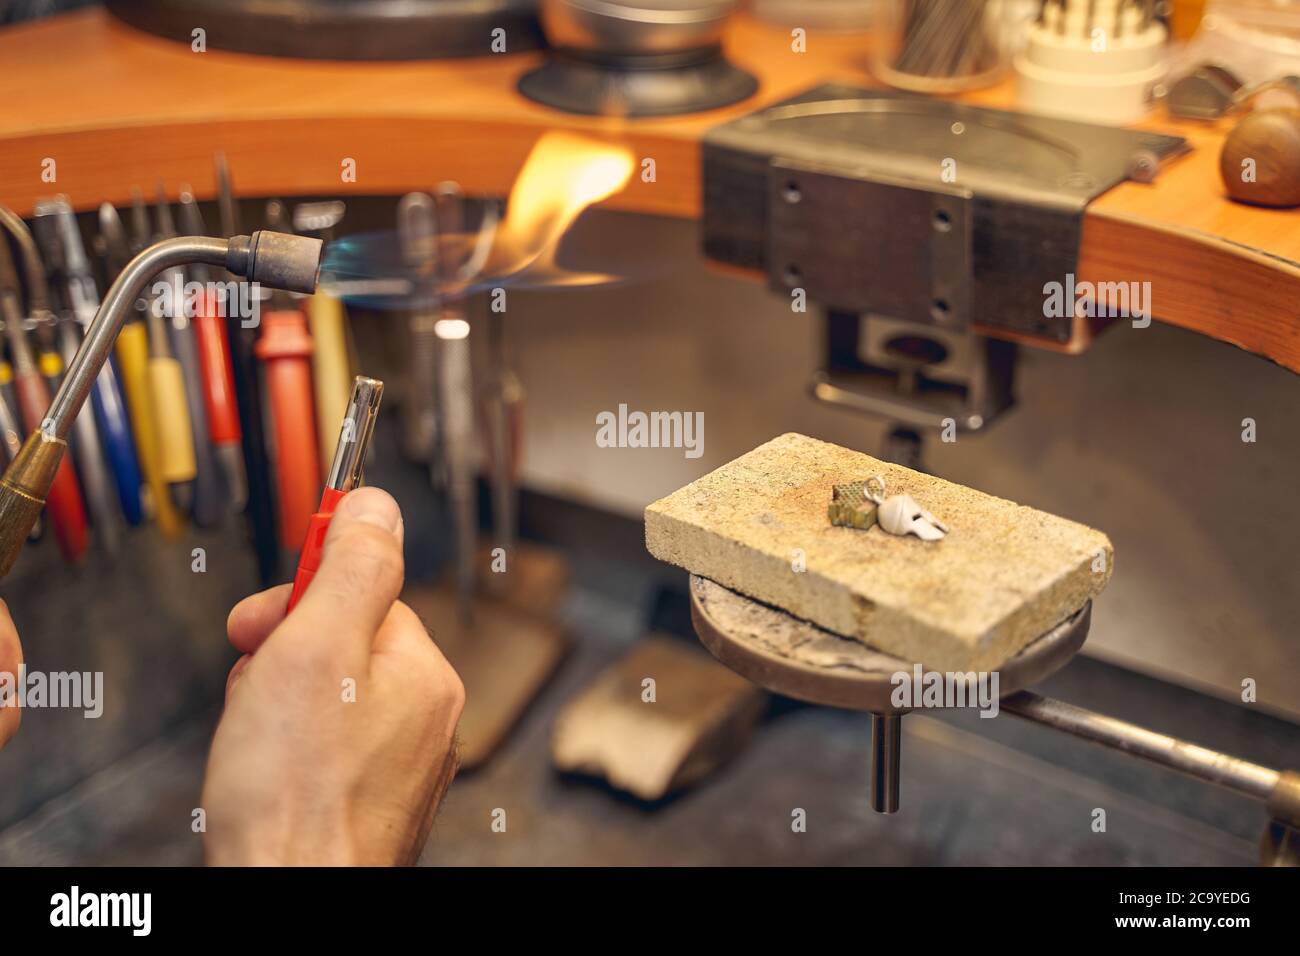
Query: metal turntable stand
[(793, 657)]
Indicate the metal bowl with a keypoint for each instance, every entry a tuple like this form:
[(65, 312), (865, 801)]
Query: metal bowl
[(635, 28)]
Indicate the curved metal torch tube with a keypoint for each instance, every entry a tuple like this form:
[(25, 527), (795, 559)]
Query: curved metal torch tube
[(38, 300), (276, 260), (272, 258), (112, 315)]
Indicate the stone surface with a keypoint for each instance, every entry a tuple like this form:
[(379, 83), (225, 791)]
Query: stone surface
[(701, 716), (1003, 576), (504, 657)]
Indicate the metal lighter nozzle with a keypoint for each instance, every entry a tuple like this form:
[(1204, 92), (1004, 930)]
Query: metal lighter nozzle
[(354, 436)]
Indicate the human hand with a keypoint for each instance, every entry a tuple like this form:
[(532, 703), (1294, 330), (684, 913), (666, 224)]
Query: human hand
[(338, 738), (11, 659)]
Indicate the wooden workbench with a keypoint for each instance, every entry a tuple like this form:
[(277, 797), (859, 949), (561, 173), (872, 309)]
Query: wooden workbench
[(115, 108)]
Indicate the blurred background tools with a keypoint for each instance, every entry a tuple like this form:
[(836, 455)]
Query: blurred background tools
[(107, 399), (456, 391), (278, 260), (941, 46), (213, 308), (360, 410), (209, 487), (285, 349), (1211, 91), (417, 233), (241, 337), (88, 457), (499, 602), (167, 396), (132, 350), (331, 357), (66, 510), (503, 407), (1095, 60), (1259, 160)]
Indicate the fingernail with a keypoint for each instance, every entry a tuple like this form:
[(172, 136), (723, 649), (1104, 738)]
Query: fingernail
[(373, 506)]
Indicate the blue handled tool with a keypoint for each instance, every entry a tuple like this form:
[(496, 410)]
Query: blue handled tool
[(87, 451), (108, 398), (211, 495)]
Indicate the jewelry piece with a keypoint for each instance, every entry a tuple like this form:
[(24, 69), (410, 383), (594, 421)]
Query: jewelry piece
[(850, 506), (901, 515)]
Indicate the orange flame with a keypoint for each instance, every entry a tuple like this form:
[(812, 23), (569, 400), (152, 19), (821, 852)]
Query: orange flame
[(563, 176)]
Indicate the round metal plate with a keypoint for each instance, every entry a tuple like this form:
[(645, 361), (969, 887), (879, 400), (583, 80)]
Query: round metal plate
[(590, 88), (341, 29), (800, 660)]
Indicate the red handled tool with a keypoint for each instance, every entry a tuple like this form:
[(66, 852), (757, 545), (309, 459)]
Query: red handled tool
[(219, 399), (63, 503), (211, 498), (284, 347), (345, 474)]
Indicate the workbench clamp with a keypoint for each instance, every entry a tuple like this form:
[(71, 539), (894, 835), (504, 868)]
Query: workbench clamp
[(929, 232)]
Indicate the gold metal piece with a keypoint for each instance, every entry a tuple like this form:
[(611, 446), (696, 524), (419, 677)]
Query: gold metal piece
[(850, 507)]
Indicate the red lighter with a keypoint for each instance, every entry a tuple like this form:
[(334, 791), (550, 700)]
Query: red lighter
[(345, 474)]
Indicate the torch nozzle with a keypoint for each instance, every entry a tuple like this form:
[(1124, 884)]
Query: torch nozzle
[(276, 259)]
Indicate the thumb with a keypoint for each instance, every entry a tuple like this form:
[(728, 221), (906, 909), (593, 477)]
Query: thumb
[(359, 578)]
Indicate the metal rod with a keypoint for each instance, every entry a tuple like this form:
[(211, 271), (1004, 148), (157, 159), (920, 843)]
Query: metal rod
[(113, 313), (38, 303), (279, 261), (1241, 776), (456, 389), (886, 753)]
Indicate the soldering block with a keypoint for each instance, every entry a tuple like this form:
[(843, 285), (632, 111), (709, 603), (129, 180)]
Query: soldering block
[(1004, 575)]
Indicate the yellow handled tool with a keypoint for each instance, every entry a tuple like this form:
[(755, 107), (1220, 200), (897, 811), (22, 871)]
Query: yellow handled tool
[(167, 398), (331, 369), (133, 362), (175, 442), (327, 318)]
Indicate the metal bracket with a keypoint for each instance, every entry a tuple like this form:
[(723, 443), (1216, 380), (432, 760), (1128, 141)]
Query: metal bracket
[(926, 216), (865, 242), (914, 373), (870, 170)]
